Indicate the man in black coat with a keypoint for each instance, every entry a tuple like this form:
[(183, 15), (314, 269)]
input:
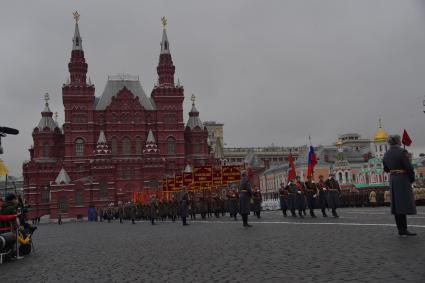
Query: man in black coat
[(333, 194), (283, 198), (184, 206), (245, 194), (397, 164), (311, 189)]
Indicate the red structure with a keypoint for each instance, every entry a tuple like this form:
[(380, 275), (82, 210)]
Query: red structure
[(114, 145)]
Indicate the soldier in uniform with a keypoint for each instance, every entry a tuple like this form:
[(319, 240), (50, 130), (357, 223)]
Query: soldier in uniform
[(133, 213), (152, 209), (323, 195), (311, 189), (283, 198), (292, 195), (397, 164), (184, 206), (333, 196), (257, 202), (174, 208), (233, 203), (203, 207), (300, 196), (245, 194), (372, 199), (192, 207)]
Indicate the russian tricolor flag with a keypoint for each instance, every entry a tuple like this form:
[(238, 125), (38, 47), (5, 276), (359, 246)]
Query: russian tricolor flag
[(312, 161)]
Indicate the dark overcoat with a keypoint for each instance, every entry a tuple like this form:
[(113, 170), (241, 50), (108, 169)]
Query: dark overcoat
[(283, 198), (333, 193), (184, 205), (245, 194), (402, 200), (292, 190), (152, 209)]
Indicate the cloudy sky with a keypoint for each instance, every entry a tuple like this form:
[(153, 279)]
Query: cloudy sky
[(271, 71)]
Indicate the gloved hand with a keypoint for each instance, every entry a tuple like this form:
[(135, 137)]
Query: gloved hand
[(314, 196), (299, 192)]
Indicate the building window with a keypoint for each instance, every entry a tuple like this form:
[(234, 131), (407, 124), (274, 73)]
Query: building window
[(126, 146), (63, 204), (46, 150), (114, 145), (347, 179), (103, 189), (79, 147), (170, 118), (45, 195), (171, 146), (127, 174), (340, 176), (79, 198), (138, 145), (197, 148)]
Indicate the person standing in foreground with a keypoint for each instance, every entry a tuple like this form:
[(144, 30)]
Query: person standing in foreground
[(245, 194), (397, 164), (311, 195)]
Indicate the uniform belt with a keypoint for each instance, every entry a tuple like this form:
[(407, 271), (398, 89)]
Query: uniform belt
[(244, 191), (397, 171)]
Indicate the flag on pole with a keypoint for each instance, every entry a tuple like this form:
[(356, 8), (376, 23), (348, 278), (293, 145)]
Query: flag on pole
[(292, 172), (312, 161), (406, 139)]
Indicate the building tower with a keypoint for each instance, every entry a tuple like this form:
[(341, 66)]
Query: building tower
[(78, 100), (168, 99), (380, 144)]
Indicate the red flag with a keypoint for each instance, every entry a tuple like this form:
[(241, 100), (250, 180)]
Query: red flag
[(406, 139), (292, 172)]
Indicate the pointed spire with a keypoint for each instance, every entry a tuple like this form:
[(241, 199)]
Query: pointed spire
[(194, 120), (46, 103), (102, 147), (90, 81), (77, 42), (102, 138), (165, 46), (63, 177), (46, 120), (151, 138)]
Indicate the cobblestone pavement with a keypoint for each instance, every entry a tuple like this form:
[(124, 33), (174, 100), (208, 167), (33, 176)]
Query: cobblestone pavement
[(361, 246)]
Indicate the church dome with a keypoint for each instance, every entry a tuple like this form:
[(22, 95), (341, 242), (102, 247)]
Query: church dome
[(381, 135)]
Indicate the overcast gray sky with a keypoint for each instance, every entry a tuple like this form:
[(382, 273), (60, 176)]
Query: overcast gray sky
[(271, 71)]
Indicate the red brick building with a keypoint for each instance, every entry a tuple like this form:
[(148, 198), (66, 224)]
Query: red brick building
[(113, 145)]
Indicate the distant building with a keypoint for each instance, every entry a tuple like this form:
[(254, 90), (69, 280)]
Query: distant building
[(215, 138)]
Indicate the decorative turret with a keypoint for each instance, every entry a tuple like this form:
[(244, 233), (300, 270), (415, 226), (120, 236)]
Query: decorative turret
[(165, 67), (46, 121), (194, 120), (102, 147), (380, 141), (151, 147)]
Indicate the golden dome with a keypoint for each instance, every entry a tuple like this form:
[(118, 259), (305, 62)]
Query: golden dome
[(381, 135), (339, 142)]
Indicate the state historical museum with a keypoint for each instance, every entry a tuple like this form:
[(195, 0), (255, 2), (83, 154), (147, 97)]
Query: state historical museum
[(114, 145)]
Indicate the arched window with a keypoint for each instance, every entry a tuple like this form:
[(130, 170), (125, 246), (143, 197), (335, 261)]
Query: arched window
[(380, 148), (126, 146), (114, 145), (138, 145), (171, 146), (103, 189), (46, 150), (79, 147), (347, 179)]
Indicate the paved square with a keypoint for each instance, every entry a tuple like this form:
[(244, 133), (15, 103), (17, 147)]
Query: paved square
[(361, 246)]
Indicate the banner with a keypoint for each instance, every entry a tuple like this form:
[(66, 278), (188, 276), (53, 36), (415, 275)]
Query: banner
[(231, 173), (187, 179), (203, 175), (178, 181), (170, 184), (217, 177), (164, 184)]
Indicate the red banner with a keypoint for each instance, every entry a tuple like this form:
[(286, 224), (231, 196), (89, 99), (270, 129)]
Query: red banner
[(203, 174), (231, 173), (187, 179), (217, 177), (170, 184), (164, 184), (178, 181)]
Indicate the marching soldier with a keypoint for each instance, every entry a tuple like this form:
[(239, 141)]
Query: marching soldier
[(323, 195), (133, 213), (333, 196), (192, 207), (292, 192), (184, 206), (153, 208), (245, 194), (396, 162), (283, 198), (372, 199), (311, 195), (233, 203), (174, 208), (203, 207), (300, 196), (257, 202)]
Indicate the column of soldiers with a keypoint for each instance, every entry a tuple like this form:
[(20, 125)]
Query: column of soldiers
[(296, 196)]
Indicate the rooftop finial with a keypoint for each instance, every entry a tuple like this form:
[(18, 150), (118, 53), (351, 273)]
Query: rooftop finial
[(379, 123), (164, 22), (76, 16), (46, 99), (56, 116), (193, 98)]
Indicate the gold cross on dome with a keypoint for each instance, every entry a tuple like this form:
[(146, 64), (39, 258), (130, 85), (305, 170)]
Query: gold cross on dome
[(76, 16), (193, 98), (164, 22)]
